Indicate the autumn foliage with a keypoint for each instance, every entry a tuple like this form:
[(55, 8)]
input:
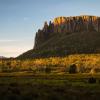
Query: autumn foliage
[(84, 64)]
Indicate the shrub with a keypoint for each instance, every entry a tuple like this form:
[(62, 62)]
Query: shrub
[(92, 80), (73, 69), (48, 69)]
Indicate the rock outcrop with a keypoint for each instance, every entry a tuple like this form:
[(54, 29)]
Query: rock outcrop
[(66, 25), (77, 24), (67, 35)]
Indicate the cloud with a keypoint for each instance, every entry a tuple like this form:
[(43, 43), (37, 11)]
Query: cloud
[(8, 40), (15, 40), (26, 18)]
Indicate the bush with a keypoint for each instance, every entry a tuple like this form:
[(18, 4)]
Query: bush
[(73, 69), (92, 80), (47, 69)]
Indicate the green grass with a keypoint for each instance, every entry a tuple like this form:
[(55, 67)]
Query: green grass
[(48, 87)]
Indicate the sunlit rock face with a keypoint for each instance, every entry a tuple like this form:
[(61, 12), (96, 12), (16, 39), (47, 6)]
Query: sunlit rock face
[(66, 25), (67, 35), (77, 24)]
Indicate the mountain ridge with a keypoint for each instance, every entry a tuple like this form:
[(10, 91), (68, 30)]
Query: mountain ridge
[(67, 35)]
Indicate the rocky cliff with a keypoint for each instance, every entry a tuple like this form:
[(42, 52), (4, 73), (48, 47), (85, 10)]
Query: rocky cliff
[(66, 25), (67, 35)]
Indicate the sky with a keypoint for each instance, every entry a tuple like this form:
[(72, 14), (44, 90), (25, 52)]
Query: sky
[(21, 19)]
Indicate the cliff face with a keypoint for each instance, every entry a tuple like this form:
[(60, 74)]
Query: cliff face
[(66, 25), (67, 35), (77, 24)]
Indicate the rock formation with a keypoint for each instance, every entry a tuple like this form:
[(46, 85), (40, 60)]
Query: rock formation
[(66, 25), (76, 24), (67, 35)]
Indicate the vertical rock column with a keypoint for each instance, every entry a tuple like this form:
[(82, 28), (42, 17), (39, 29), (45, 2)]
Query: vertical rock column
[(98, 22)]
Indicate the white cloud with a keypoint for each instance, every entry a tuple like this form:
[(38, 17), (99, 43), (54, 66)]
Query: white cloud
[(15, 40), (26, 18), (7, 40)]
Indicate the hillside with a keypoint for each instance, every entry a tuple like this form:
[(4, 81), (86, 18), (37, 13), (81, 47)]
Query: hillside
[(67, 35)]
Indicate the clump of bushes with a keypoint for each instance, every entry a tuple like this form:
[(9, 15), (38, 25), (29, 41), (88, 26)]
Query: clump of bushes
[(84, 64)]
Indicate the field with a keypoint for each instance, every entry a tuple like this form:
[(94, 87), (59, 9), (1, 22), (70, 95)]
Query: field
[(85, 63), (30, 86), (54, 78)]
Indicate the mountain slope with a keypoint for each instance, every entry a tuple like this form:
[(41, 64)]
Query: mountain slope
[(67, 35)]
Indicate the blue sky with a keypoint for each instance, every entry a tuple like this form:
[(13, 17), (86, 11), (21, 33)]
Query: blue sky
[(20, 19)]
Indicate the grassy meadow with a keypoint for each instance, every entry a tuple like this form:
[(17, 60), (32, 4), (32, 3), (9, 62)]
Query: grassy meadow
[(49, 87), (50, 78), (85, 63)]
